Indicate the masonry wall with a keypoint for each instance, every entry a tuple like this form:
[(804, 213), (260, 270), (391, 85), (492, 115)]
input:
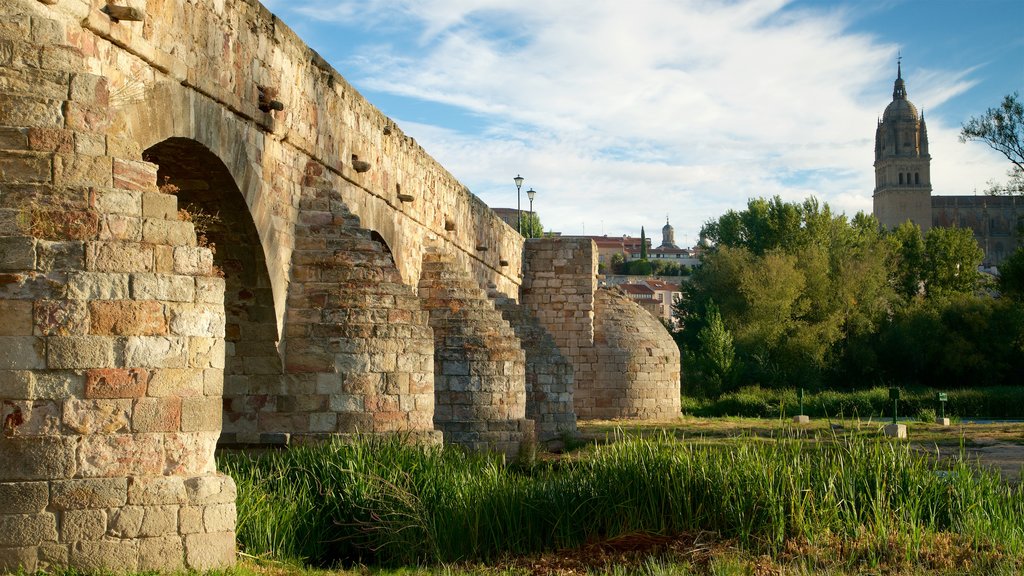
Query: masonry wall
[(625, 363)]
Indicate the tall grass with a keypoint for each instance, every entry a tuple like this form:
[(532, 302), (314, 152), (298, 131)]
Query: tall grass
[(757, 402), (386, 503)]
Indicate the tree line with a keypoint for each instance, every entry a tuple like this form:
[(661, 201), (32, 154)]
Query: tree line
[(792, 295)]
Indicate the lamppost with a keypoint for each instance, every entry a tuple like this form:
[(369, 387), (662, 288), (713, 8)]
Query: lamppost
[(519, 206), (531, 193)]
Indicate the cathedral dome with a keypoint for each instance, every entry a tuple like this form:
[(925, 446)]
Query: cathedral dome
[(900, 110)]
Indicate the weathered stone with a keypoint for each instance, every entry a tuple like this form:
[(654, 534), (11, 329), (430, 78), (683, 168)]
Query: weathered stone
[(193, 261), (206, 352), (30, 111), (201, 414), (53, 556), (190, 519), (91, 89), (77, 525), (157, 491), (75, 352), (156, 351), (164, 554), (143, 521), (98, 286), (160, 206), (60, 318), (119, 317), (21, 418), (21, 353), (96, 416), (51, 140), (17, 318), (114, 201), (56, 385), (210, 551), (112, 555), (170, 232), (80, 170), (166, 287), (66, 255), (118, 257), (120, 455), (219, 518), (189, 453), (158, 415), (14, 560), (209, 290), (17, 254), (116, 383), (24, 497), (178, 382), (28, 529), (89, 493)]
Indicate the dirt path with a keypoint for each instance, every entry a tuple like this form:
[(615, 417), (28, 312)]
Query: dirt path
[(1005, 457)]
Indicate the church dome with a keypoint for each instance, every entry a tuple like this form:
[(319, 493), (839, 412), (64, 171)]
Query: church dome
[(901, 110)]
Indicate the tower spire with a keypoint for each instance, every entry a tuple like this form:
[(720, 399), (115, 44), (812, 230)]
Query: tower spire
[(899, 89)]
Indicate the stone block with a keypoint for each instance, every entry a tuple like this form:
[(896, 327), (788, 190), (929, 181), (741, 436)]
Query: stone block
[(156, 351), (201, 414), (190, 519), (81, 170), (943, 421), (206, 352), (81, 494), (96, 416), (115, 227), (24, 497), (116, 383), (105, 555), (60, 318), (801, 419), (189, 453), (116, 455), (67, 256), (118, 257), (30, 418), (160, 206), (197, 320), (157, 415), (113, 201), (169, 232), (219, 518), (213, 382), (31, 111), (51, 140), (80, 352), (25, 166), (165, 554), (97, 286), (86, 118), (15, 313), (898, 431), (125, 317), (134, 175), (157, 491), (167, 287), (193, 261), (76, 525), (209, 290), (22, 353), (176, 382), (28, 529), (211, 489), (143, 521), (210, 551), (91, 144), (17, 253), (17, 560), (53, 556), (56, 385)]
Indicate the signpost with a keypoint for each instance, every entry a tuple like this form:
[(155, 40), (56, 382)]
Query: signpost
[(801, 418), (895, 430), (942, 420)]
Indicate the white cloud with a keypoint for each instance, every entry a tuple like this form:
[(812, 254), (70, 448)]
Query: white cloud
[(623, 112)]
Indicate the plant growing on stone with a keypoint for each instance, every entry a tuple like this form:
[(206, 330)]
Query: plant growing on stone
[(58, 219)]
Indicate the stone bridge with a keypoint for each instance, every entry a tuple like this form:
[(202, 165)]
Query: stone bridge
[(207, 235)]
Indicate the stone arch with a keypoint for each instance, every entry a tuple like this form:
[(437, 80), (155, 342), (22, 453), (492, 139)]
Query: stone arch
[(210, 199), (171, 111)]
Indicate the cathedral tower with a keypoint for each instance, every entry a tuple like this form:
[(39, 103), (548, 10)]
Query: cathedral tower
[(903, 185)]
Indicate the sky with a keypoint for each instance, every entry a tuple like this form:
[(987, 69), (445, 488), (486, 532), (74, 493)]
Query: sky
[(622, 114)]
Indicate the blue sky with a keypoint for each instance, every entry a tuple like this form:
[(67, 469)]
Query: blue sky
[(622, 113)]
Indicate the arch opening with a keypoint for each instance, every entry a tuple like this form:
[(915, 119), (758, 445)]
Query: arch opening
[(208, 195)]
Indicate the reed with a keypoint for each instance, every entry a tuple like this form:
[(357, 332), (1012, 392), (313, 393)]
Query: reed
[(382, 502)]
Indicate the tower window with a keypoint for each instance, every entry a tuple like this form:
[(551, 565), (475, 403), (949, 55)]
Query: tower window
[(901, 177), (917, 177)]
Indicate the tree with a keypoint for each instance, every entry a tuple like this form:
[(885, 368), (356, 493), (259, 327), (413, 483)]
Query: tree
[(952, 257), (1011, 275), (716, 352), (532, 228), (643, 244), (906, 259), (1002, 129)]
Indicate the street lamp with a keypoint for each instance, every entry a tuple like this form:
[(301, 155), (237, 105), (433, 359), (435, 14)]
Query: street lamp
[(519, 206), (531, 193)]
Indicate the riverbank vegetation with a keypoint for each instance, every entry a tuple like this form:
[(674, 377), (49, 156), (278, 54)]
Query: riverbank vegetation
[(842, 503), (792, 296)]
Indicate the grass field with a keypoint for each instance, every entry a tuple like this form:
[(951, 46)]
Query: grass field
[(691, 496)]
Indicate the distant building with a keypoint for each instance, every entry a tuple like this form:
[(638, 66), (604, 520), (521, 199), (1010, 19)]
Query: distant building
[(903, 188), (655, 296)]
